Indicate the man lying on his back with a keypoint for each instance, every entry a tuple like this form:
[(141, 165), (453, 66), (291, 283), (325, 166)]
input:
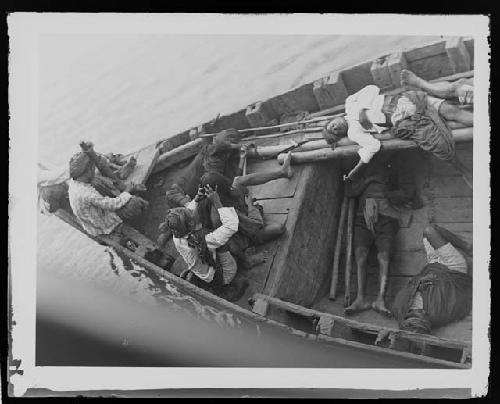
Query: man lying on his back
[(412, 115)]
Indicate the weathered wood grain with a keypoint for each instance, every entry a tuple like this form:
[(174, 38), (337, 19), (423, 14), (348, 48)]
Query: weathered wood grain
[(432, 67), (280, 205), (357, 77), (446, 210), (146, 160)]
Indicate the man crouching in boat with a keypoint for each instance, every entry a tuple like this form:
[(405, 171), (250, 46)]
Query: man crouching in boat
[(412, 115), (205, 251), (235, 193), (102, 203), (442, 292), (97, 212)]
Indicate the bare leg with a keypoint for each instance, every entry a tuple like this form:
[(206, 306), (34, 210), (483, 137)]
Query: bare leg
[(262, 178), (268, 233), (435, 239), (457, 241), (451, 112), (456, 125), (441, 89), (379, 304), (359, 304)]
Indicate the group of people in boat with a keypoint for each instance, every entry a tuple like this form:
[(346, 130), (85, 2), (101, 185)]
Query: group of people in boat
[(213, 231), (441, 293)]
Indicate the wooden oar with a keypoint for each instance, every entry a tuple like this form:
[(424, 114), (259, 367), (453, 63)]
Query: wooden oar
[(338, 245), (348, 260)]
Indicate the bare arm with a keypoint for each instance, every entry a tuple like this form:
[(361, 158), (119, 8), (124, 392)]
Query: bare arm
[(102, 164), (355, 171)]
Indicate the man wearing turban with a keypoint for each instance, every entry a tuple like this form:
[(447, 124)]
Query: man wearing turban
[(99, 203), (204, 250)]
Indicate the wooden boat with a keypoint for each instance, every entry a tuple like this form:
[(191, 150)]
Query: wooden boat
[(291, 290)]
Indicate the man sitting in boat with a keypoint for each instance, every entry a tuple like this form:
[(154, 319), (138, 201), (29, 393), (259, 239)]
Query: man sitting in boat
[(223, 154), (382, 200), (442, 292), (235, 193), (204, 250), (97, 213), (412, 115)]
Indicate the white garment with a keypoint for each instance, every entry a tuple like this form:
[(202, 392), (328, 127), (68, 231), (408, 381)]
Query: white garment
[(368, 98), (95, 212), (404, 108), (214, 240), (446, 255)]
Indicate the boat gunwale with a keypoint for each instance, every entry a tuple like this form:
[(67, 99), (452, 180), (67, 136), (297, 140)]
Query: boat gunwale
[(187, 286), (183, 284)]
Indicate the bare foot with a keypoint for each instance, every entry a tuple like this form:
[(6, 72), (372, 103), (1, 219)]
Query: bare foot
[(379, 306), (357, 306), (287, 169), (408, 78), (253, 260)]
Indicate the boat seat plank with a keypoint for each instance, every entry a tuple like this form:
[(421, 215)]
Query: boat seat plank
[(362, 326), (447, 186), (451, 210), (279, 205), (146, 160), (459, 331), (461, 228)]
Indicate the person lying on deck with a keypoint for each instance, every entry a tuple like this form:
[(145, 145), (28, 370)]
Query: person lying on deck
[(380, 203), (204, 250), (412, 115), (461, 90), (442, 292)]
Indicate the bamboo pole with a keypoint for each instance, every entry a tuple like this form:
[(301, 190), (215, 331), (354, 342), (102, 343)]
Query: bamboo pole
[(265, 152), (282, 125), (281, 134), (338, 245), (348, 263), (459, 135)]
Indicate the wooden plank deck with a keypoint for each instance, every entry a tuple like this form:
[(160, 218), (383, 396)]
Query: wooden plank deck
[(448, 203)]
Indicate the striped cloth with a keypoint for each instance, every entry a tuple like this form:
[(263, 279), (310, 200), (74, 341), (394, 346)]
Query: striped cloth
[(95, 212)]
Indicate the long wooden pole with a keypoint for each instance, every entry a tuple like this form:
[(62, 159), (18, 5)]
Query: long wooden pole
[(338, 245), (281, 134), (265, 152), (348, 262), (282, 125), (459, 135)]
